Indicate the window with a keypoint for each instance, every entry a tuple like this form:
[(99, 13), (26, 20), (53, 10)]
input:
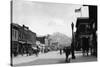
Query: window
[(93, 25), (15, 34)]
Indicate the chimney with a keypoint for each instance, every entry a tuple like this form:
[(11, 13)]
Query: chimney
[(25, 27)]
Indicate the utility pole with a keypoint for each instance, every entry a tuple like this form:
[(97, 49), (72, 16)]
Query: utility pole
[(72, 44)]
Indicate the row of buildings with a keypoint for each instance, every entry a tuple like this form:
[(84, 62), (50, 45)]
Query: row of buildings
[(46, 43), (23, 40), (21, 37)]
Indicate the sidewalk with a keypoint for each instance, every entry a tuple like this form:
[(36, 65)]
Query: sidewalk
[(84, 59), (81, 58)]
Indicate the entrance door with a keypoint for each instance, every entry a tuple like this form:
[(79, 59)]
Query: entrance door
[(85, 44)]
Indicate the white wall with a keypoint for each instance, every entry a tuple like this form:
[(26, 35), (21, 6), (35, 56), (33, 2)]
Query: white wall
[(85, 11)]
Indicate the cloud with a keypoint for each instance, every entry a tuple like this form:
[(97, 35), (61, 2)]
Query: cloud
[(56, 22), (44, 18), (59, 22)]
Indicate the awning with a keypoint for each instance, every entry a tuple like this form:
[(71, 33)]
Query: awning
[(14, 42), (21, 42)]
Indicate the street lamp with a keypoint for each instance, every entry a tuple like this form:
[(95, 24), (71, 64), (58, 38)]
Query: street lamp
[(72, 44)]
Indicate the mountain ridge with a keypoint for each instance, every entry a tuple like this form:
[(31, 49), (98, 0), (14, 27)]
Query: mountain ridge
[(61, 38)]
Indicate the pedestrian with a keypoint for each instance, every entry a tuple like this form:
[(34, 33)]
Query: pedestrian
[(60, 51), (67, 51)]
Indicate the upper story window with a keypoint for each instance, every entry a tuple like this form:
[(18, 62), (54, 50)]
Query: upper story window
[(84, 28), (94, 26)]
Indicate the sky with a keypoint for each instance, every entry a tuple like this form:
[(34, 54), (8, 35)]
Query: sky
[(45, 18)]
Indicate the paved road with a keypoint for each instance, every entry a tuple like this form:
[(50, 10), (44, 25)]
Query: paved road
[(55, 58)]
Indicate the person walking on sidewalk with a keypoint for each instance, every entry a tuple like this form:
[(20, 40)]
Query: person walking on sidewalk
[(67, 51), (60, 51)]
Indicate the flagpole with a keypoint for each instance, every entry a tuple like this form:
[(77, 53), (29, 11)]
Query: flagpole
[(81, 12)]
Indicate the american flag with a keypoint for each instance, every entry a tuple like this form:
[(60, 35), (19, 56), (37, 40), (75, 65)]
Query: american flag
[(78, 10)]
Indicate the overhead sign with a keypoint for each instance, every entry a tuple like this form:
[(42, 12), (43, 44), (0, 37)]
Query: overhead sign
[(85, 11)]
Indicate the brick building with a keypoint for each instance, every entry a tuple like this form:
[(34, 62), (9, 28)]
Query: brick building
[(21, 37)]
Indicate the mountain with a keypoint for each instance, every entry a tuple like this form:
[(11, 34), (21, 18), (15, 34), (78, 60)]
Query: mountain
[(62, 39)]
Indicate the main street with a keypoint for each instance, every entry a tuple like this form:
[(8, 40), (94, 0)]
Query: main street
[(52, 58)]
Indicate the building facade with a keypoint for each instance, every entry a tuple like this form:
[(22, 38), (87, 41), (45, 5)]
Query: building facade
[(86, 33), (21, 38)]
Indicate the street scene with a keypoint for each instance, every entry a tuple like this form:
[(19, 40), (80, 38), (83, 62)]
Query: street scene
[(52, 33), (48, 59)]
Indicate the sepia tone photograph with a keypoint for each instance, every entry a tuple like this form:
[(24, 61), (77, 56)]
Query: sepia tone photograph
[(52, 33)]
